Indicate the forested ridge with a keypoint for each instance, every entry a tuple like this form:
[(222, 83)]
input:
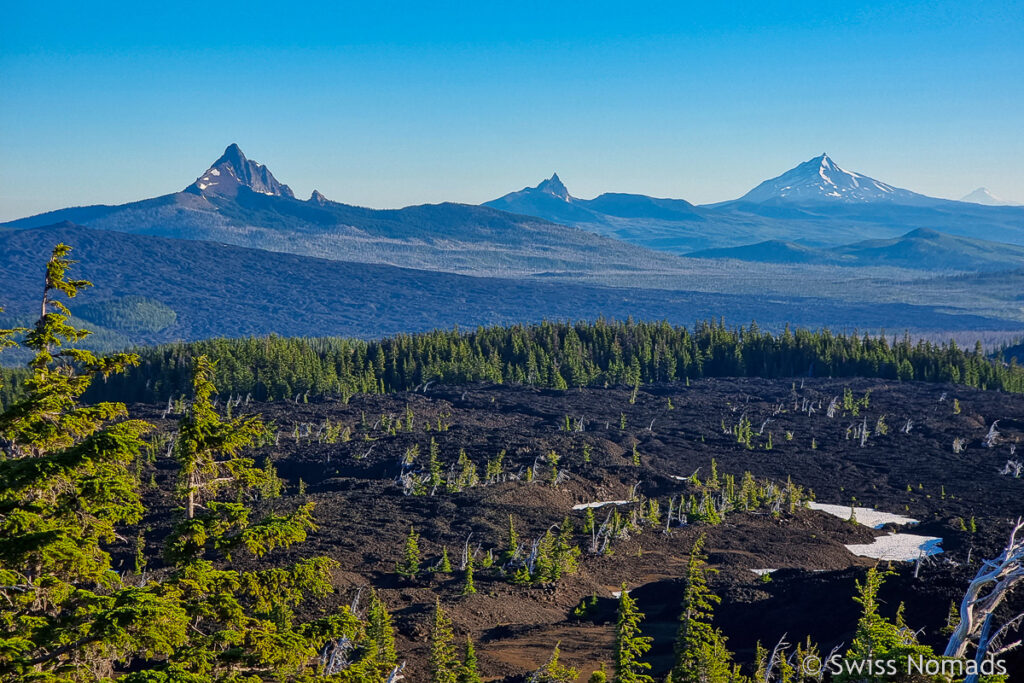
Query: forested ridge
[(556, 355)]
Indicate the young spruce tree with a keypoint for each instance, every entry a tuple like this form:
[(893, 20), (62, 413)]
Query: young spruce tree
[(630, 646), (701, 655), (444, 662), (409, 566)]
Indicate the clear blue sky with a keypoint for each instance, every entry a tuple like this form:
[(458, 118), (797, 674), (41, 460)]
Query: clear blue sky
[(390, 103)]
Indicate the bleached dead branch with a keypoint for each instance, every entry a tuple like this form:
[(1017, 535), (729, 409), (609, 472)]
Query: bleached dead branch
[(991, 585)]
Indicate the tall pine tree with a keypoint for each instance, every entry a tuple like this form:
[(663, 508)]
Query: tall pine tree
[(444, 662), (630, 646), (701, 655)]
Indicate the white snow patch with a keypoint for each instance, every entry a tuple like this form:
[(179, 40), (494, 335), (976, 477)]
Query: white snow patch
[(865, 516), (584, 506), (214, 171), (202, 186), (899, 547), (762, 572)]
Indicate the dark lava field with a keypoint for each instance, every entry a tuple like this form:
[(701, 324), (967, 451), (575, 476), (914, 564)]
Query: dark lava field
[(632, 446)]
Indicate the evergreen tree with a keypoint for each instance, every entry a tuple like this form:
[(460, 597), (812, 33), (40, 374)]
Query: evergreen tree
[(468, 672), (468, 587), (630, 646), (434, 465), (409, 566), (444, 662), (381, 634), (513, 540), (66, 485), (877, 638), (243, 623), (554, 671), (701, 655)]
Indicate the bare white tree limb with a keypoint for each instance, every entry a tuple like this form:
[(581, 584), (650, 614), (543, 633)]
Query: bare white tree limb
[(990, 586)]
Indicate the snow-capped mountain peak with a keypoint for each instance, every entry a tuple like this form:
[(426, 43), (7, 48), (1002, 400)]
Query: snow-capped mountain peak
[(822, 180), (232, 171), (984, 196)]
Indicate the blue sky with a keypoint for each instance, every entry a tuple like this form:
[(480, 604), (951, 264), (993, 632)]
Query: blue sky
[(389, 104)]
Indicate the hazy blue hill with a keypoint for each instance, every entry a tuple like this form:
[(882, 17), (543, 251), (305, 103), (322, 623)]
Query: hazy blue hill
[(935, 250), (834, 224), (641, 206), (153, 289), (771, 251), (918, 249)]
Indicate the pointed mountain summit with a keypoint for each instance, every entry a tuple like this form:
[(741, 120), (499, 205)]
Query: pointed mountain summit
[(233, 171), (549, 200), (984, 196), (318, 198), (554, 186), (822, 180)]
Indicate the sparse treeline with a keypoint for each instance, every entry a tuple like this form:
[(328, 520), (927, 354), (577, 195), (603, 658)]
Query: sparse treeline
[(558, 355)]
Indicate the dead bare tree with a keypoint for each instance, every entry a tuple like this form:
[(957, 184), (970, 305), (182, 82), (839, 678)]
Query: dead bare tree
[(396, 673), (465, 554), (334, 657), (833, 407), (992, 438), (989, 588), (1013, 468), (778, 653)]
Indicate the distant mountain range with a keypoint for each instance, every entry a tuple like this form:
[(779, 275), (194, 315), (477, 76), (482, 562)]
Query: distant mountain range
[(816, 203), (544, 229), (238, 201), (198, 262), (918, 249)]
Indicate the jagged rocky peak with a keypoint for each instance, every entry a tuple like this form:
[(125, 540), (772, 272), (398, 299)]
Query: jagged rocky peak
[(318, 198), (554, 186), (233, 171)]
